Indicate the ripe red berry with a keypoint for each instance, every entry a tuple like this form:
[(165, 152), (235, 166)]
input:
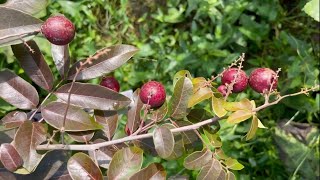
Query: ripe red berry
[(59, 30), (223, 90), (241, 81), (261, 79), (153, 93), (111, 83)]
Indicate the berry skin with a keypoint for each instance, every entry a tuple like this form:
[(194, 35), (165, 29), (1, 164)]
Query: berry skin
[(111, 83), (241, 81), (59, 30), (261, 79), (153, 93), (223, 90)]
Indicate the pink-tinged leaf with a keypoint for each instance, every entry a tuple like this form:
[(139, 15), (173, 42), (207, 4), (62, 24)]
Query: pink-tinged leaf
[(111, 58), (81, 166), (27, 6), (82, 136), (14, 119), (253, 128), (33, 64), (9, 157), (164, 141), (17, 91), (109, 121), (154, 171), (76, 120), (28, 137), (197, 160), (92, 96), (179, 100), (16, 25), (178, 149), (125, 163), (189, 137), (239, 116), (61, 58), (134, 118), (160, 113), (212, 171)]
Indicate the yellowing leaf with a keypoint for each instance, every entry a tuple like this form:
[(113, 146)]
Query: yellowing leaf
[(233, 164), (217, 106), (180, 74), (253, 129), (253, 103), (198, 83), (200, 95), (239, 116), (244, 104), (260, 125), (214, 139)]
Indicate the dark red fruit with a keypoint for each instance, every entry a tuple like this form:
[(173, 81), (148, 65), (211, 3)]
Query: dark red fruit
[(111, 83), (153, 93), (223, 90), (261, 79), (59, 30), (241, 81)]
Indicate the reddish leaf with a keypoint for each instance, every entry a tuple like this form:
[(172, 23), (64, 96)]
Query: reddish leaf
[(154, 171), (164, 141), (61, 58), (81, 166), (16, 25), (33, 64), (76, 120), (134, 118), (198, 159), (82, 136), (17, 91), (28, 137), (93, 96), (10, 157), (107, 62), (178, 149), (27, 6), (14, 119), (189, 137), (160, 113), (109, 121), (211, 171)]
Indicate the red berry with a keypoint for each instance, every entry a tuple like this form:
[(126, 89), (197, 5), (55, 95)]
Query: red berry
[(241, 81), (153, 93), (111, 83), (223, 90), (261, 79), (59, 30)]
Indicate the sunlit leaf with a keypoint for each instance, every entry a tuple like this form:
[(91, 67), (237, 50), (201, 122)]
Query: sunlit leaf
[(211, 171), (198, 82), (16, 25), (109, 121), (179, 100), (244, 104), (164, 141), (214, 139), (312, 9), (180, 74), (217, 106), (92, 96), (14, 119), (239, 116), (111, 58), (260, 125), (13, 90), (82, 136), (253, 128), (160, 113), (154, 171), (76, 119), (33, 64), (9, 157), (61, 58), (200, 95), (197, 160), (27, 6), (125, 163), (134, 118), (233, 164), (28, 137), (81, 166)]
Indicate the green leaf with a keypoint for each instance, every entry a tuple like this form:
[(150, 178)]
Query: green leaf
[(81, 166), (239, 116), (312, 9), (197, 160), (230, 176), (260, 125), (219, 152), (217, 106), (244, 104), (125, 163), (179, 100), (214, 139), (212, 171), (200, 95), (154, 171), (253, 128), (163, 141), (233, 164)]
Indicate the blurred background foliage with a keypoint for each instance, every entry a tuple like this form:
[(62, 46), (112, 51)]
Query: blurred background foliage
[(203, 36)]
